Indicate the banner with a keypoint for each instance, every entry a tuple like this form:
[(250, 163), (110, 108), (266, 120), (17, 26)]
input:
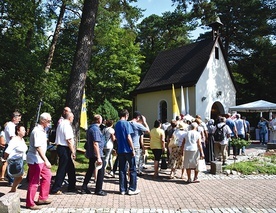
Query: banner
[(83, 116), (174, 104), (183, 108)]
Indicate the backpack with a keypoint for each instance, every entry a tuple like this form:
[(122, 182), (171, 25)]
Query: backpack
[(52, 135), (219, 134)]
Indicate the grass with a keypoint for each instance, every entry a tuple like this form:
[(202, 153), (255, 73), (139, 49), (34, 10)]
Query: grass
[(81, 162), (259, 165)]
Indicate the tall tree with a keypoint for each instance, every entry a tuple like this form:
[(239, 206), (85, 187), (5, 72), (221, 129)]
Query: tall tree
[(82, 59), (248, 32), (55, 36), (158, 33), (115, 71), (241, 26), (259, 68), (22, 42)]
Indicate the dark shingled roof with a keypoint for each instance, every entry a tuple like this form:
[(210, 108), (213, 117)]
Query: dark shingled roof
[(180, 66)]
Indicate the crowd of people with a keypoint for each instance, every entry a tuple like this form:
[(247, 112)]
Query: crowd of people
[(184, 140)]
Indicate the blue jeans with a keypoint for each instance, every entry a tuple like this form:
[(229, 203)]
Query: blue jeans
[(138, 164), (125, 158), (262, 138), (243, 148)]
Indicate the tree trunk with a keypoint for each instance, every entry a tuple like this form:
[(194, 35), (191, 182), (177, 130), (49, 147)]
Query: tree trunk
[(81, 60), (55, 37)]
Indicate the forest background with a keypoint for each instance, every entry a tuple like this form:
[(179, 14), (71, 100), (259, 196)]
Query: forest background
[(101, 46)]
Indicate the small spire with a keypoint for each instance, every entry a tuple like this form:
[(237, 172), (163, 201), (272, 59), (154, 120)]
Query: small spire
[(215, 27)]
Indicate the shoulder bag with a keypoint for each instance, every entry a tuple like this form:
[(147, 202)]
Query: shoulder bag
[(15, 167)]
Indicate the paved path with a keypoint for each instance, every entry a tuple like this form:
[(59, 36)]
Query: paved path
[(215, 193)]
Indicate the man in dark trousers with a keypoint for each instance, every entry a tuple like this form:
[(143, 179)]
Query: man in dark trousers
[(67, 153), (94, 151)]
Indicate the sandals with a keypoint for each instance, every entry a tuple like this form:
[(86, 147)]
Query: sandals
[(188, 182), (196, 180)]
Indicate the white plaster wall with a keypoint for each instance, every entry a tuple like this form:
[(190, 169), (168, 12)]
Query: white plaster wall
[(215, 78)]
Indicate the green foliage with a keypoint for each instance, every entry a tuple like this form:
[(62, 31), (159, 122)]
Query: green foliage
[(259, 165), (257, 68), (159, 33), (116, 64), (239, 142), (121, 53), (107, 111)]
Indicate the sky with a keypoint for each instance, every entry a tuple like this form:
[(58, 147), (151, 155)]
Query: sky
[(158, 7), (155, 6)]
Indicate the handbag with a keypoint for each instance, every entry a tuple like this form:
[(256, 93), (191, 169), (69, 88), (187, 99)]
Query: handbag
[(173, 141), (15, 167), (201, 165), (164, 162)]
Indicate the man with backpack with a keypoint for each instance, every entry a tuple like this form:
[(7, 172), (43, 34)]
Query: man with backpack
[(222, 133)]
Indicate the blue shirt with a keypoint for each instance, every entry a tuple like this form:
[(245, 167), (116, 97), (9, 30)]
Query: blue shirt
[(231, 124), (137, 131), (240, 127), (262, 127), (122, 130), (94, 135)]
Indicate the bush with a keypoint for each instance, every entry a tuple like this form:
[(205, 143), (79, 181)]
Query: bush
[(239, 142)]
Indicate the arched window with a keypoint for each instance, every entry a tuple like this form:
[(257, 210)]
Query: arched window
[(163, 115)]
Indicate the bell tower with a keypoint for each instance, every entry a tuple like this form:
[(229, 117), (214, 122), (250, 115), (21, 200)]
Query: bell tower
[(215, 27)]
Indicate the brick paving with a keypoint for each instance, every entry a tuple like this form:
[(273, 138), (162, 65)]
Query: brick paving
[(214, 193)]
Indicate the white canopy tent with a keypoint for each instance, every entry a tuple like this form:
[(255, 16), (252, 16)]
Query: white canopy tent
[(256, 106)]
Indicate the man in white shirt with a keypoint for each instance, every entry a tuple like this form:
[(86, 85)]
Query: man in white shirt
[(10, 127), (39, 166), (66, 153), (10, 133)]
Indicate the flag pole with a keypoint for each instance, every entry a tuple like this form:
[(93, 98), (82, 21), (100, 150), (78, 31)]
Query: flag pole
[(175, 107)]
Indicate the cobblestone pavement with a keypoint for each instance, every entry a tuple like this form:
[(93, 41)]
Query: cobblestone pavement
[(214, 193)]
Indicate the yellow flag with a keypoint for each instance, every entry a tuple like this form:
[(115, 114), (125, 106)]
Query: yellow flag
[(174, 104), (83, 117)]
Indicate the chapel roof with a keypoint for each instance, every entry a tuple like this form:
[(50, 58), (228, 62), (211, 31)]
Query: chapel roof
[(181, 66)]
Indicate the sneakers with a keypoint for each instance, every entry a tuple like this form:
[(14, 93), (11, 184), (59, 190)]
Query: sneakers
[(101, 193), (123, 193), (85, 191), (57, 193), (136, 192)]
